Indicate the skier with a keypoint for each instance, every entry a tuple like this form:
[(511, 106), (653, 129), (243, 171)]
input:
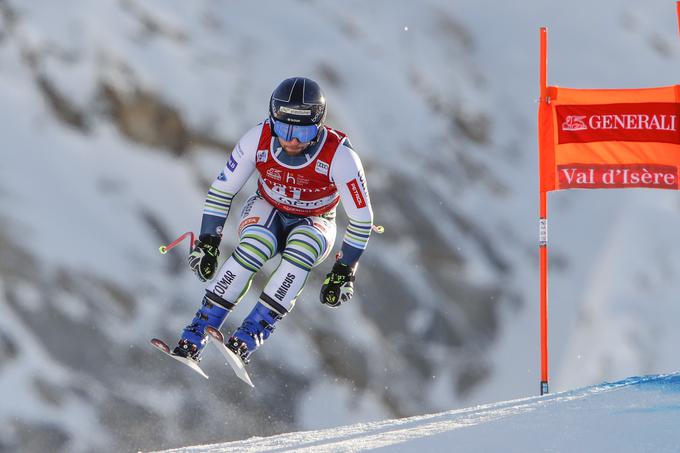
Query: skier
[(304, 169)]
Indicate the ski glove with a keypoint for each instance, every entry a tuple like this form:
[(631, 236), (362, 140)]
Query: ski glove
[(203, 257), (338, 287)]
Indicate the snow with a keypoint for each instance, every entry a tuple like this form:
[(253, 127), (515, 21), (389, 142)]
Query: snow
[(633, 415)]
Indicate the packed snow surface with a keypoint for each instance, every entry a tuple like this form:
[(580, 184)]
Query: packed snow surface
[(637, 414)]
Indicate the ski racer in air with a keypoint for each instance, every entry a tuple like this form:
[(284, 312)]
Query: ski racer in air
[(305, 169)]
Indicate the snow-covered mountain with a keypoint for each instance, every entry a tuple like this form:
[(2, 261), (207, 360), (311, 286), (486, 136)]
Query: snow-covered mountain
[(632, 415), (117, 114)]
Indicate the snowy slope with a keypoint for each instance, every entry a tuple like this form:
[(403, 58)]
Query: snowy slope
[(116, 114), (634, 415)]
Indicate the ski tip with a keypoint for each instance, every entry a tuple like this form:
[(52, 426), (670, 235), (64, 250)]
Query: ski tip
[(160, 344), (214, 333)]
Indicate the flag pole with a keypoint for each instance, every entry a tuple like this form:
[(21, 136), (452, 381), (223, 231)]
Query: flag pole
[(543, 222)]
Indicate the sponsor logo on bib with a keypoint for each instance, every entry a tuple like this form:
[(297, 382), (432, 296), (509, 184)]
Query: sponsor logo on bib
[(321, 167)]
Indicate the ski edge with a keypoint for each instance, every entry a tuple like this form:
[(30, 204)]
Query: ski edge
[(236, 364), (165, 349)]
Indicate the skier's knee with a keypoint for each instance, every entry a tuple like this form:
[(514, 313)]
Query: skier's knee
[(306, 247), (256, 246)]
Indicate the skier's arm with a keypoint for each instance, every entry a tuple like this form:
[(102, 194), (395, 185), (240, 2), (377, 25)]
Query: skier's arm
[(231, 179), (241, 164), (348, 175)]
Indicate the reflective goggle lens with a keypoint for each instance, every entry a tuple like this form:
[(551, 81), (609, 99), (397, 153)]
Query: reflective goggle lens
[(290, 131)]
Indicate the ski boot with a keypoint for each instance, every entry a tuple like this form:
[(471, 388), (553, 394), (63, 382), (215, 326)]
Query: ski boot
[(256, 328), (212, 313)]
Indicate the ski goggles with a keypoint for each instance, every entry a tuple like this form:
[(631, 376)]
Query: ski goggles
[(288, 132)]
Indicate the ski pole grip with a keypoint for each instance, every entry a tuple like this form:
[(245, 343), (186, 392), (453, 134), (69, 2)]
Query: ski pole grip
[(165, 248)]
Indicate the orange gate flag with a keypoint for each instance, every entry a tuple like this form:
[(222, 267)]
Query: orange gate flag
[(606, 139)]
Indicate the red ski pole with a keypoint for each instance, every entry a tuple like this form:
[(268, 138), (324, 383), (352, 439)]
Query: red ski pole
[(164, 248)]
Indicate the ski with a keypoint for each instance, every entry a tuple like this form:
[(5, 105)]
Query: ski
[(163, 347), (235, 362)]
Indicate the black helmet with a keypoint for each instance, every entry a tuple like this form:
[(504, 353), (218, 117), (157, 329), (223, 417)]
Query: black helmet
[(298, 101)]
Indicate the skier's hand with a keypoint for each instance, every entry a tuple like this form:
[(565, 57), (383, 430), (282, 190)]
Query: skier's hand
[(338, 287), (203, 257)]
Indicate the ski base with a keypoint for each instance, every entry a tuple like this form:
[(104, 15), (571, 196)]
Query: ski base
[(164, 348), (235, 362)]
